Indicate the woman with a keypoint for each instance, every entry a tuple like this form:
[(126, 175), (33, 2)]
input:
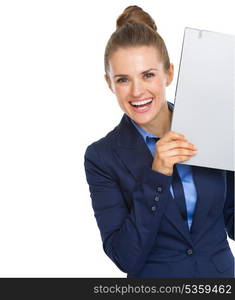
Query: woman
[(157, 218)]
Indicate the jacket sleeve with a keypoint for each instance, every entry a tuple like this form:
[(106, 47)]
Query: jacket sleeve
[(128, 233), (229, 204)]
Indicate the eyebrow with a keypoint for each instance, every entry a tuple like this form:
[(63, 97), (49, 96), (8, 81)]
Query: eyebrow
[(144, 72)]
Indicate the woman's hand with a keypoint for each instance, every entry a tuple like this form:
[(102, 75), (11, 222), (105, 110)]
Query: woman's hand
[(172, 148)]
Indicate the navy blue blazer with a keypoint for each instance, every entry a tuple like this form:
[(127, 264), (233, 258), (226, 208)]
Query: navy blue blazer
[(145, 235)]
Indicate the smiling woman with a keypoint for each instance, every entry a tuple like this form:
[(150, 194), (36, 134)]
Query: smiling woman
[(157, 218), (138, 78)]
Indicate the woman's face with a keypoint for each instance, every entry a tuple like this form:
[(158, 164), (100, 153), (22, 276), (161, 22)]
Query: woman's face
[(138, 79)]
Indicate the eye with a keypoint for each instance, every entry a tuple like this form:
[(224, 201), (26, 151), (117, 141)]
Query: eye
[(148, 75), (122, 80)]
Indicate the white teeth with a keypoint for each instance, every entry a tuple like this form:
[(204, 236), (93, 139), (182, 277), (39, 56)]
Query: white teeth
[(137, 103)]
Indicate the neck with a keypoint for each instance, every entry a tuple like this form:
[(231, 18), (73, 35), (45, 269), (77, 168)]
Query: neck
[(161, 124)]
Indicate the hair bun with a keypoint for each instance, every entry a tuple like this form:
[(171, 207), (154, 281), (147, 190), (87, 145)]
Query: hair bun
[(135, 14)]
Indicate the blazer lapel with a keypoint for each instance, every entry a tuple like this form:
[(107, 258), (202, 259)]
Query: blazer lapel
[(174, 216), (134, 153)]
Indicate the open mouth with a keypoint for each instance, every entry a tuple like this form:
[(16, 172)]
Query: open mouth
[(141, 105)]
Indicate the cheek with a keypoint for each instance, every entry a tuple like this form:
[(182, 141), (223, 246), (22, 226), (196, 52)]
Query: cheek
[(158, 87), (121, 92)]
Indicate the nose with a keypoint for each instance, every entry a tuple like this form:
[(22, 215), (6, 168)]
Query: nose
[(137, 88)]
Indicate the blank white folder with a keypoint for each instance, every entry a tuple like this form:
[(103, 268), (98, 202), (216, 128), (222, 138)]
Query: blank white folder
[(205, 97)]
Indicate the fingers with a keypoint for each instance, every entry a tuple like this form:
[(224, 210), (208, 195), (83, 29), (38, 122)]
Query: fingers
[(172, 148), (180, 159), (176, 144), (178, 152), (172, 139), (172, 135)]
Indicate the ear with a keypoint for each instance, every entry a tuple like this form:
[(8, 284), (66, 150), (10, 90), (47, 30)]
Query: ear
[(170, 74), (109, 82)]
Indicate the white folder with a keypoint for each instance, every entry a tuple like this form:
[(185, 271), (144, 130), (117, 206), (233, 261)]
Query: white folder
[(205, 97)]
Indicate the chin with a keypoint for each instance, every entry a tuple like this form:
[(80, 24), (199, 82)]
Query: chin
[(143, 120)]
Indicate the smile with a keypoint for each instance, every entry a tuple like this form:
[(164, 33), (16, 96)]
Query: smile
[(141, 103)]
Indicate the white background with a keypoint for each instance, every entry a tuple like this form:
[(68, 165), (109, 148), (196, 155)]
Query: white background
[(53, 103)]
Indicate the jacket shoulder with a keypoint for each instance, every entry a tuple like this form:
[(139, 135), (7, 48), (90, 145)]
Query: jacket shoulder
[(104, 144)]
